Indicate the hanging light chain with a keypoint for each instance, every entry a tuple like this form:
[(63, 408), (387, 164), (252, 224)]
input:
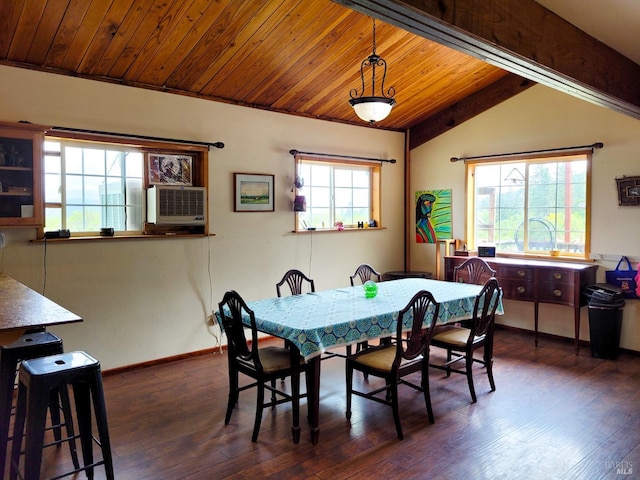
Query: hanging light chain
[(374, 60)]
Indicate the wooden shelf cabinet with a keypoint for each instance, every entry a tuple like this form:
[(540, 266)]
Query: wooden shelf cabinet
[(21, 203), (539, 281)]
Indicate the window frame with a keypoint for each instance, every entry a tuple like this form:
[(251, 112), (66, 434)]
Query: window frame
[(146, 147), (531, 159), (375, 184)]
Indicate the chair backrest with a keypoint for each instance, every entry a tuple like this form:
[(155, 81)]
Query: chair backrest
[(473, 270), (484, 310), (232, 309), (295, 279), (413, 343), (365, 273)]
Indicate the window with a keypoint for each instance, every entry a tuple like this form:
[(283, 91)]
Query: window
[(89, 186), (338, 191), (97, 181), (531, 206)]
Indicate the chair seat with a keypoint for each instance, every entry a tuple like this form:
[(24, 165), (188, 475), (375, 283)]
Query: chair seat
[(273, 359), (381, 358), (455, 336)]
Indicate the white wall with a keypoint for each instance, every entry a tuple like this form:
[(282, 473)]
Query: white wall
[(149, 299), (541, 118)]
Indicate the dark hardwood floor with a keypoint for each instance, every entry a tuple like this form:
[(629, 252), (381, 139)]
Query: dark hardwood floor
[(554, 415)]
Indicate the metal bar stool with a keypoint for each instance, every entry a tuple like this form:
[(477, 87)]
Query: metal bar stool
[(36, 379), (28, 346)]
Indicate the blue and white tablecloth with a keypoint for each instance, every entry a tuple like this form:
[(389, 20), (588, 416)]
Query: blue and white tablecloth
[(317, 322)]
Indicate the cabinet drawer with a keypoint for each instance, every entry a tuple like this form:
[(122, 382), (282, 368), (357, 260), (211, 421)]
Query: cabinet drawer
[(556, 293), (556, 276), (517, 290), (516, 273)]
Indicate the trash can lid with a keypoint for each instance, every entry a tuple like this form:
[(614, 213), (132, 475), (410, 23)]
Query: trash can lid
[(604, 294)]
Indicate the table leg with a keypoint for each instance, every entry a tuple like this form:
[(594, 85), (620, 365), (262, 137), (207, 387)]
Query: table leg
[(294, 355), (535, 322), (313, 396), (576, 316)]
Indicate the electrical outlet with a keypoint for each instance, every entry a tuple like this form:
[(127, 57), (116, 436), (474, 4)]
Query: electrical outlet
[(1, 240)]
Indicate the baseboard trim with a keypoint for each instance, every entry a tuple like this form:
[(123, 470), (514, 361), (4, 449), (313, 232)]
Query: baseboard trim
[(208, 351), (160, 361)]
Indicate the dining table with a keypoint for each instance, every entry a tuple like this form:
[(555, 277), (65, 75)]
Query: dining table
[(317, 322)]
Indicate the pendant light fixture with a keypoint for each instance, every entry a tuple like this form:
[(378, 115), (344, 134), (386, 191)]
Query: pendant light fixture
[(373, 108)]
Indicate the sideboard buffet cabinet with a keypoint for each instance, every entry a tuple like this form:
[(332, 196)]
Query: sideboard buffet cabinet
[(539, 281)]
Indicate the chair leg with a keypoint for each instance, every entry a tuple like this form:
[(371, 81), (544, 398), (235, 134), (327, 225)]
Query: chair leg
[(7, 377), (54, 411), (349, 377), (82, 397), (426, 390), (36, 406), (469, 369), (18, 431), (273, 393), (233, 395), (100, 410), (259, 408), (448, 360), (488, 363), (68, 421), (393, 388)]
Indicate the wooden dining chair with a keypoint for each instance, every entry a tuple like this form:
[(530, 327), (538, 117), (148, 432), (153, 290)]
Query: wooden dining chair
[(264, 365), (474, 270), (365, 273), (295, 279), (393, 362), (461, 342)]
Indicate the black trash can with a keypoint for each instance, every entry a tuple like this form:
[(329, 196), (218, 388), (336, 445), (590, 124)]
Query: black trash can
[(605, 319)]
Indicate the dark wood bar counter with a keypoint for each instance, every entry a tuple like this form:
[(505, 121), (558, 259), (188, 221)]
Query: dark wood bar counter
[(22, 308)]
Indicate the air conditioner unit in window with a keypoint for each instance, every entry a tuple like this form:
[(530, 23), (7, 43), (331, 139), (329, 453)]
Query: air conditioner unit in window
[(175, 205)]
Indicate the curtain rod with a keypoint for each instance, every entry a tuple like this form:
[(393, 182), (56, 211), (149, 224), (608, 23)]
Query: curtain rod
[(138, 137), (297, 152), (548, 150)]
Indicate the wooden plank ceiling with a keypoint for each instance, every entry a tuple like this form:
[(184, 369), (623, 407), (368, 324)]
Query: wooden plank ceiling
[(294, 56)]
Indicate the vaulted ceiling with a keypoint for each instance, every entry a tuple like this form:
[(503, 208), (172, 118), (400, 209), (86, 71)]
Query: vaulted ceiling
[(303, 56)]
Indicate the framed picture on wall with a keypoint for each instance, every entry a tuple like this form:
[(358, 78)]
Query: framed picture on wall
[(253, 192), (628, 191), (170, 169)]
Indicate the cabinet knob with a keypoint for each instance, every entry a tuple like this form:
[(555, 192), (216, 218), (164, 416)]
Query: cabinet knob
[(557, 293), (557, 275), (521, 273), (521, 289)]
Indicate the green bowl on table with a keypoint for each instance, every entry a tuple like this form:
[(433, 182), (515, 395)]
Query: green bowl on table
[(370, 289)]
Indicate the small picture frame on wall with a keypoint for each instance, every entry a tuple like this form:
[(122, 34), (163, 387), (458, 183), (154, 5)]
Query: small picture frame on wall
[(628, 191), (170, 169), (253, 192)]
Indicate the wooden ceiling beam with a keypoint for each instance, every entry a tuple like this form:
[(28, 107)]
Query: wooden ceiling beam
[(469, 107), (523, 37)]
